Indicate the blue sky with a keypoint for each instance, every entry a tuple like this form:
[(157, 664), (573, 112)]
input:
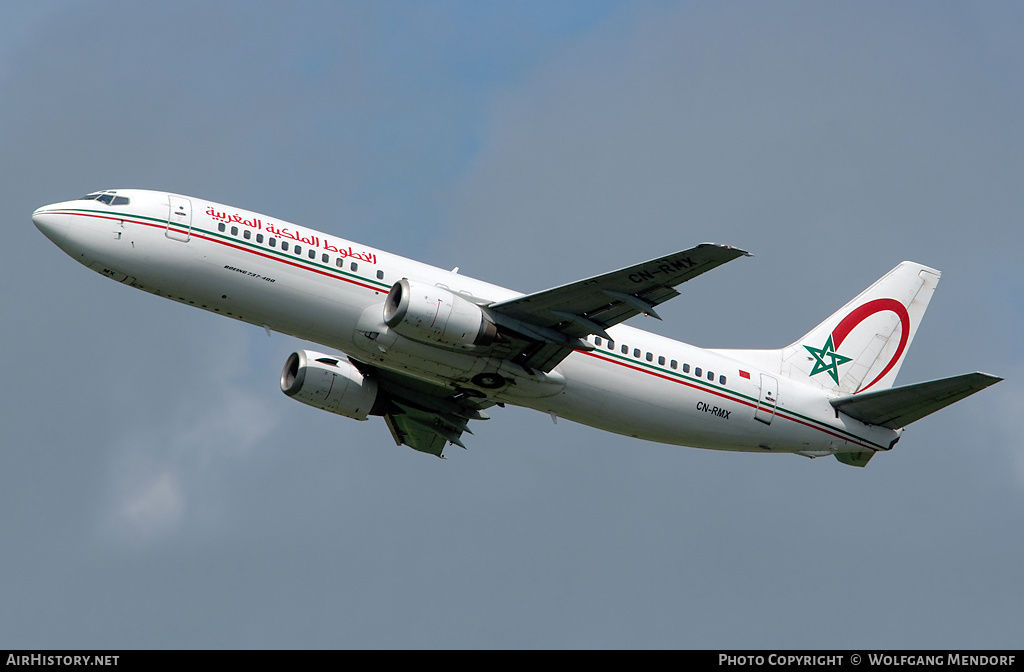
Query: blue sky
[(157, 490)]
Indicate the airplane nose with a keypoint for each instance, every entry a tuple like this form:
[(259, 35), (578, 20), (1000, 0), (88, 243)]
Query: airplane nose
[(54, 227)]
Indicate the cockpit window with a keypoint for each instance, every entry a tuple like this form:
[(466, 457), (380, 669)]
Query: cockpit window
[(107, 197)]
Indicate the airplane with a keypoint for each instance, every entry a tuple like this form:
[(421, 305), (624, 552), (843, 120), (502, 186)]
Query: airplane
[(431, 350)]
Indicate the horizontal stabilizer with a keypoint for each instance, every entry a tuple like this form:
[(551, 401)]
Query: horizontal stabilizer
[(899, 406)]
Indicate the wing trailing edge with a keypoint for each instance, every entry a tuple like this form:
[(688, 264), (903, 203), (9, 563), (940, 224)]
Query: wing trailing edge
[(899, 406)]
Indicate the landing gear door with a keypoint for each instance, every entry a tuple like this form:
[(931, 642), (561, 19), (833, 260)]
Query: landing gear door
[(768, 399), (179, 218)]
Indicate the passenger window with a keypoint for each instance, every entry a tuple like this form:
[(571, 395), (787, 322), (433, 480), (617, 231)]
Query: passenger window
[(247, 234), (721, 380), (324, 258), (674, 364), (380, 275), (259, 237), (611, 345), (711, 376), (284, 245), (650, 357), (222, 227), (272, 241), (234, 230), (339, 262), (354, 266), (686, 368), (636, 352), (312, 254), (597, 340), (625, 349), (697, 372), (661, 361)]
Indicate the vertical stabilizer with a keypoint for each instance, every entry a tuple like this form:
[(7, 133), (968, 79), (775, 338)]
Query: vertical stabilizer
[(862, 345)]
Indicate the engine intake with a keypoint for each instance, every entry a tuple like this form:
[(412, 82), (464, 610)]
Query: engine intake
[(329, 383), (428, 313)]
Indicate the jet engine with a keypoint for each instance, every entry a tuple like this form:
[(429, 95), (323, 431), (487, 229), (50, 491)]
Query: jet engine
[(329, 383), (431, 314)]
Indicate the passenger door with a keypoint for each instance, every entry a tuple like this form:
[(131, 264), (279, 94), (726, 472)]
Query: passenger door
[(179, 218)]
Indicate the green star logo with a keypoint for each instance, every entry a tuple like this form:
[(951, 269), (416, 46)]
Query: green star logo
[(834, 359)]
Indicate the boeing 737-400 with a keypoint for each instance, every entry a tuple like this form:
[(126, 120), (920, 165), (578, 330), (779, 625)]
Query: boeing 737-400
[(431, 350)]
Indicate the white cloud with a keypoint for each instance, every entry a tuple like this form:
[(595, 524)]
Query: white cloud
[(154, 510), (173, 472)]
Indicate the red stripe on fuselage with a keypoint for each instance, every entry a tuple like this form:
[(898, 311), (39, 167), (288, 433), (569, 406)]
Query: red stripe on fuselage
[(226, 243), (778, 412)]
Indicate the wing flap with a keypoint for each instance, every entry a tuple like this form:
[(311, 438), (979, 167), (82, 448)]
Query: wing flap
[(421, 430), (425, 416), (858, 459), (899, 406)]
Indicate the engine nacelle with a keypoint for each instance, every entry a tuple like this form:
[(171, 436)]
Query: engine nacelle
[(328, 383), (435, 315)]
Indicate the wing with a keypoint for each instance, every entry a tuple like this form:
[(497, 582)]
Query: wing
[(549, 325), (424, 416), (900, 406)]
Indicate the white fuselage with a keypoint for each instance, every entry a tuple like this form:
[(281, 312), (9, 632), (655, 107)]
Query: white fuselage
[(322, 288)]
